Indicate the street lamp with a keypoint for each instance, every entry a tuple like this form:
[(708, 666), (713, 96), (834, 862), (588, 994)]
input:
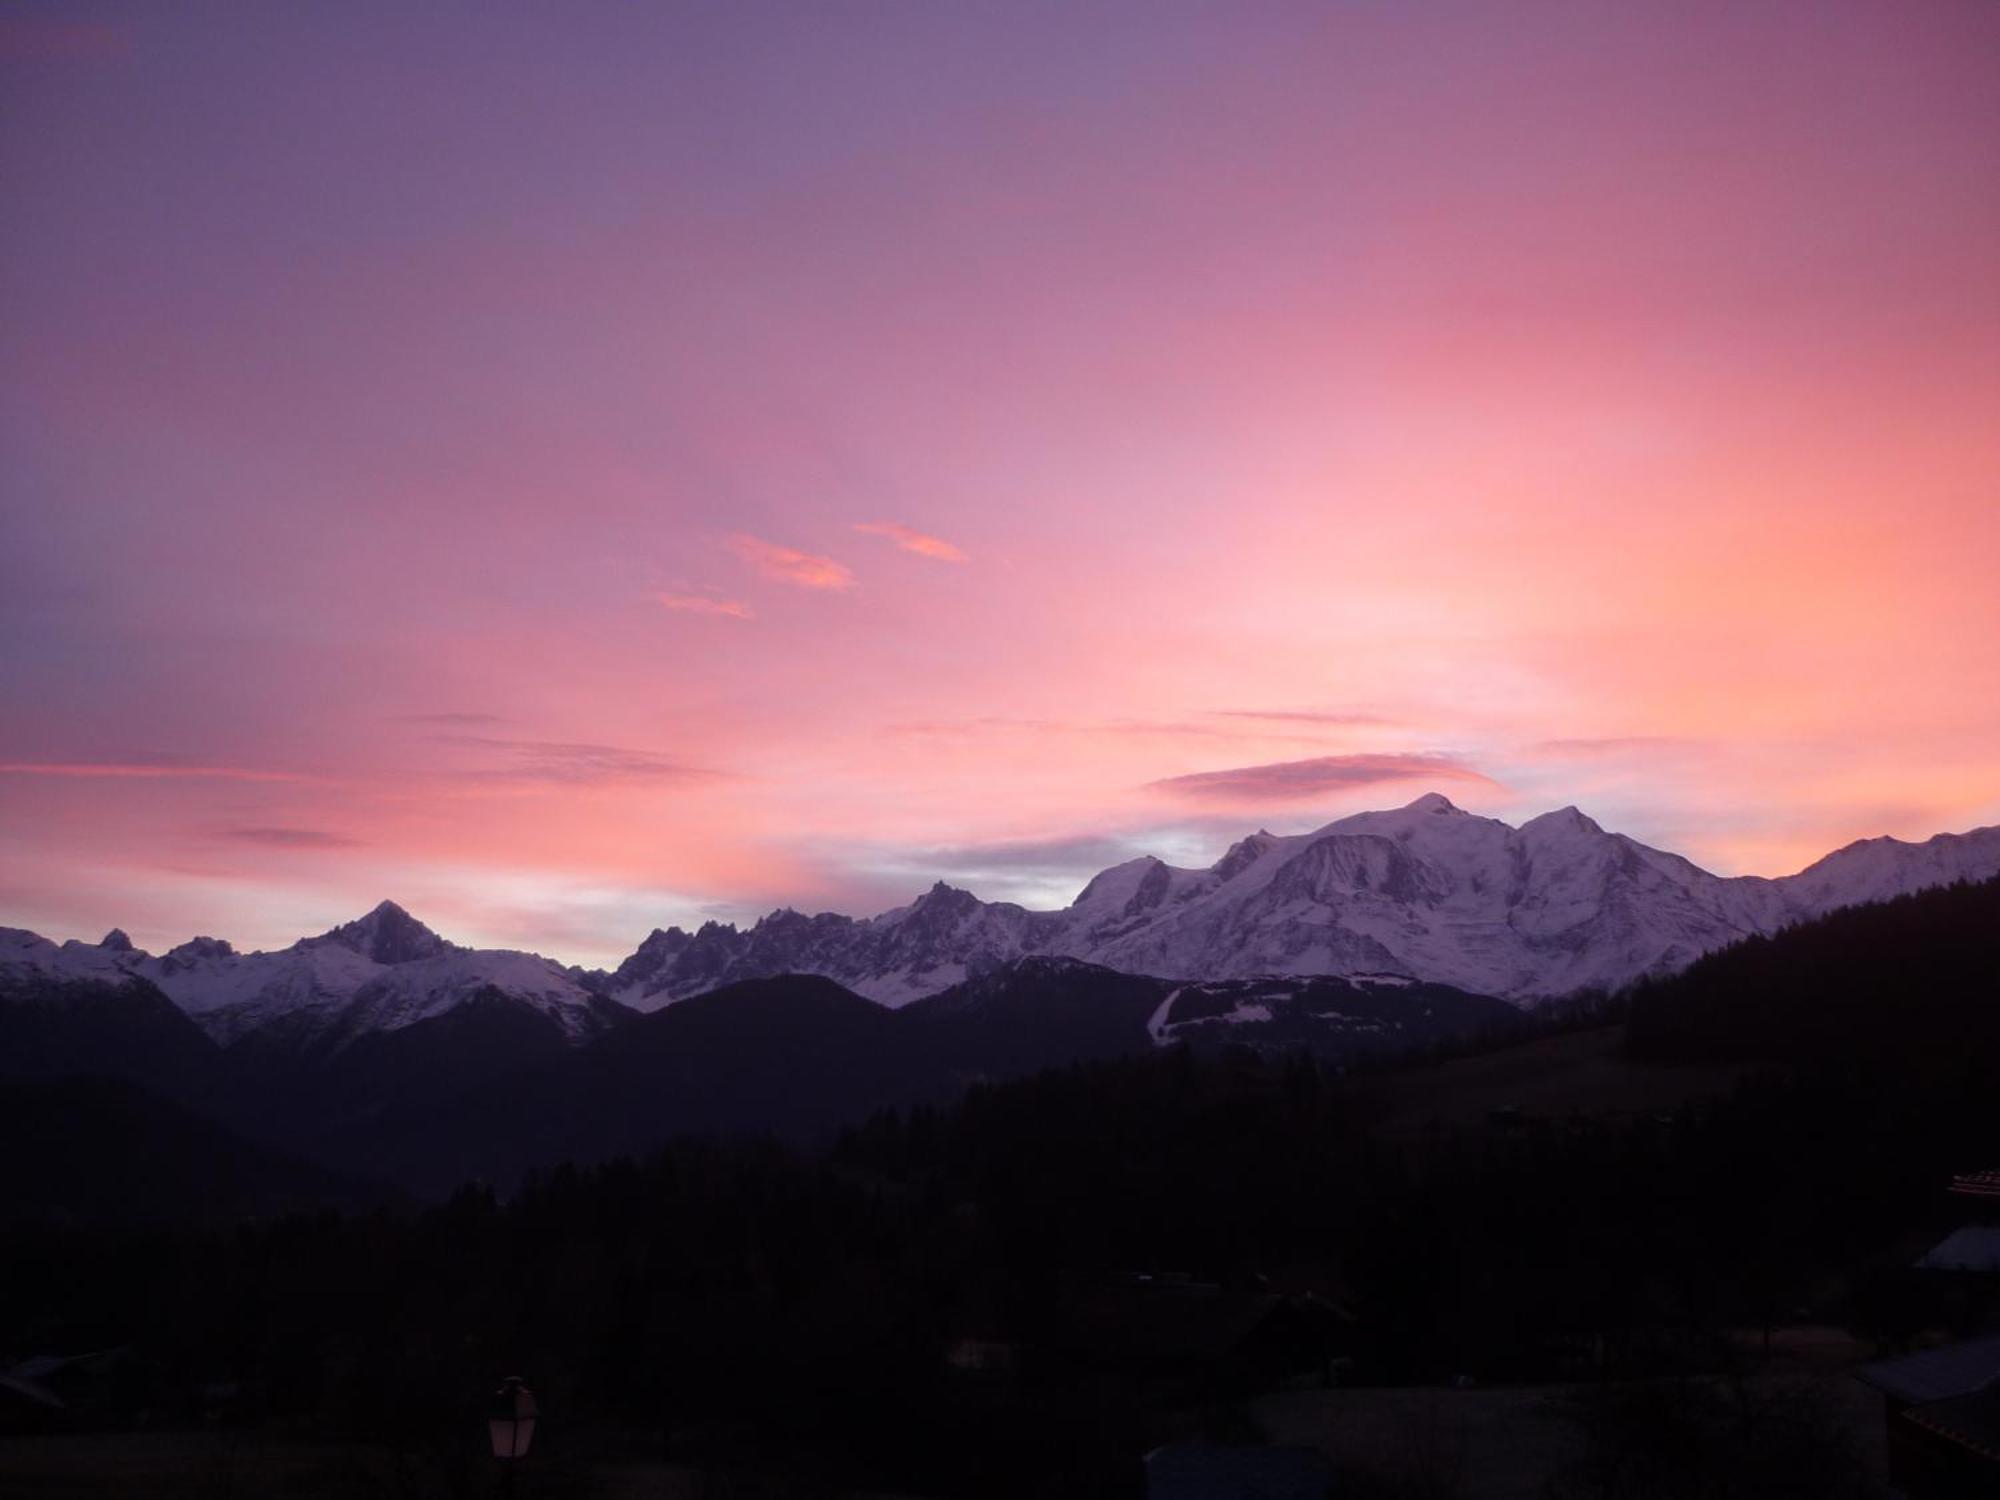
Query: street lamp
[(512, 1423)]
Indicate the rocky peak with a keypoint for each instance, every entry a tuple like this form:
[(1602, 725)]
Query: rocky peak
[(1243, 854), (387, 935), (1562, 820), (195, 949), (1433, 802)]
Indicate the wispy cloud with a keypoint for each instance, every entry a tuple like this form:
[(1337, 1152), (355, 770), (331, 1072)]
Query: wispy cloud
[(789, 565), (1615, 745), (912, 540), (1298, 716), (143, 771), (576, 764), (1289, 780), (1085, 852), (41, 39), (462, 720), (703, 604), (290, 838), (1109, 728)]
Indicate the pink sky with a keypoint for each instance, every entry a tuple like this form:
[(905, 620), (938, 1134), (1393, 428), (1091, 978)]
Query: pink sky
[(577, 473)]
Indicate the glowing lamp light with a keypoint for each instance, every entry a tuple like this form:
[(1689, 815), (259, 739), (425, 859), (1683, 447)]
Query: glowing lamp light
[(512, 1421)]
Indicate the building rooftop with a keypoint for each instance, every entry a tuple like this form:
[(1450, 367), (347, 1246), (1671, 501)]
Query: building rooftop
[(1207, 1471), (1977, 1184), (1970, 1421), (1976, 1247), (1938, 1374)]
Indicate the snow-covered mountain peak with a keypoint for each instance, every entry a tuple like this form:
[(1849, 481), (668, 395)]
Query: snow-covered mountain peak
[(387, 935), (1433, 802), (379, 973), (1432, 816), (1564, 821), (28, 955), (1427, 891), (1874, 869), (942, 903), (1114, 889), (1244, 853), (116, 941), (198, 950)]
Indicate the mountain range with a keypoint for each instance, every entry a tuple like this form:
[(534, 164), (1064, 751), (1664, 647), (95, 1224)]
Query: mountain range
[(1425, 893)]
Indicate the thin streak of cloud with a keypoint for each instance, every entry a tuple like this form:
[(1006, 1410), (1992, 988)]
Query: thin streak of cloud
[(43, 39), (1115, 728), (143, 771), (1616, 745), (1086, 852), (467, 720), (1299, 716), (702, 604), (789, 565), (1289, 780), (576, 764), (911, 540), (291, 838)]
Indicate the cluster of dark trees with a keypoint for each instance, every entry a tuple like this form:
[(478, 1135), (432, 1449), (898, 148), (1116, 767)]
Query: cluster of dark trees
[(1903, 991), (737, 1299)]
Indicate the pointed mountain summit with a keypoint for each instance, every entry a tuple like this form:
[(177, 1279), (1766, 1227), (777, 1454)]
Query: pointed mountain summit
[(1244, 853), (1433, 802), (387, 935), (1564, 821), (1428, 891)]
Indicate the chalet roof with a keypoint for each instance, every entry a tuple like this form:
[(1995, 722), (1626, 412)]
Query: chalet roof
[(1977, 1184), (1176, 1319), (1976, 1247), (1197, 1471), (1970, 1421), (39, 1367), (1938, 1374), (1194, 1322), (30, 1390)]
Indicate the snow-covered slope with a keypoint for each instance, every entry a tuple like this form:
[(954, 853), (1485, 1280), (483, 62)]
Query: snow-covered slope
[(1426, 891), (381, 972), (946, 935), (27, 957)]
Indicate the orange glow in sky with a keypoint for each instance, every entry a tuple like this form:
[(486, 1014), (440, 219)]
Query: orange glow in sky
[(616, 468)]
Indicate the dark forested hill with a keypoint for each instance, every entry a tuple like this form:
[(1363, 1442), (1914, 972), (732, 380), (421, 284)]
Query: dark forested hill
[(97, 1150), (125, 1029), (677, 1289), (1909, 987)]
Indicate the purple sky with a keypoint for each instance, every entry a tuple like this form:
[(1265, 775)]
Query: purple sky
[(575, 468)]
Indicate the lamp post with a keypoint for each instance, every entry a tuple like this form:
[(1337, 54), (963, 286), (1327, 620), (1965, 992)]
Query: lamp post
[(511, 1423)]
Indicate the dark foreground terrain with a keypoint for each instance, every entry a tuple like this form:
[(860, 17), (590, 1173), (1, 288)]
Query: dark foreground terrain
[(1628, 1258)]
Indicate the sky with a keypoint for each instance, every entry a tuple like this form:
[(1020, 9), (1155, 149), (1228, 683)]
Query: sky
[(578, 468)]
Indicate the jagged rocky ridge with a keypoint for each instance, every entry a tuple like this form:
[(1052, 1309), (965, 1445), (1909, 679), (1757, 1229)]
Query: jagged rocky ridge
[(383, 972), (1425, 893)]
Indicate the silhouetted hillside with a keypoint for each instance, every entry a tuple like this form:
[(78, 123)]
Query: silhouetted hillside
[(128, 1030), (1909, 987), (102, 1151), (792, 1057)]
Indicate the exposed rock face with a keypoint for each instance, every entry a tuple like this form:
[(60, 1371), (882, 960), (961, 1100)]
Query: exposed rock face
[(1426, 891)]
